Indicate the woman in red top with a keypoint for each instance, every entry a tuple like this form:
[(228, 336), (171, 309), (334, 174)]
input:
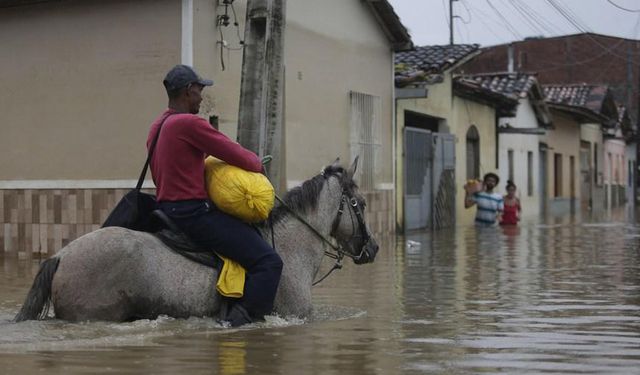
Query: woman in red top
[(511, 213)]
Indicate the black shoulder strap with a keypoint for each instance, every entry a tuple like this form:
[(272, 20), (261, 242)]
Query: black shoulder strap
[(150, 154)]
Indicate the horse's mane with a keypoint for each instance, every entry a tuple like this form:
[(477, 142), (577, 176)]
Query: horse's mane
[(304, 198)]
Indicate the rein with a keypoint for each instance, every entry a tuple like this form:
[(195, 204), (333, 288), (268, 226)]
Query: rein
[(339, 253)]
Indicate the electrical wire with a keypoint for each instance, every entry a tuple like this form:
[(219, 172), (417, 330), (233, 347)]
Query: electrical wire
[(567, 14), (505, 21), (223, 21), (488, 26), (444, 6), (625, 9), (528, 18), (468, 13), (236, 24), (541, 20), (568, 17)]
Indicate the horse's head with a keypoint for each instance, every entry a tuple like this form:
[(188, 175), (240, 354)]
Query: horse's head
[(349, 227)]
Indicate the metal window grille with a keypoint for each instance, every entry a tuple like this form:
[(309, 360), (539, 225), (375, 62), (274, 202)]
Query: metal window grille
[(365, 140)]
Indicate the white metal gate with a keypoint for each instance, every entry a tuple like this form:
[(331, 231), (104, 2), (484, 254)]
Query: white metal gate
[(417, 181), (429, 184)]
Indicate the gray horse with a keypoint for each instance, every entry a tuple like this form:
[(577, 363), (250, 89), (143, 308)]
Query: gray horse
[(116, 274)]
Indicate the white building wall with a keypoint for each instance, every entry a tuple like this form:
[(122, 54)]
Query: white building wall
[(521, 145)]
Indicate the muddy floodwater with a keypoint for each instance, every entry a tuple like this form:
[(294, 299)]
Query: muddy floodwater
[(561, 297)]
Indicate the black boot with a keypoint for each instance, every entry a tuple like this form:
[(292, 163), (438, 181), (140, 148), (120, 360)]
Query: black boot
[(238, 316)]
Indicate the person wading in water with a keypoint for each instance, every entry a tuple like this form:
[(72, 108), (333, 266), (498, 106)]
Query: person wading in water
[(490, 205), (512, 208)]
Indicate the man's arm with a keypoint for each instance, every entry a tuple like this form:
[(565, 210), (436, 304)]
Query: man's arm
[(217, 144), (468, 200)]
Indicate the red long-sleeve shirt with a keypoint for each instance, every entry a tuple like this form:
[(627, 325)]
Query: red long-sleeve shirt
[(177, 164)]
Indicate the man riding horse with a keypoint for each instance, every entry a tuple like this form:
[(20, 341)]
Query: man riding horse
[(177, 167)]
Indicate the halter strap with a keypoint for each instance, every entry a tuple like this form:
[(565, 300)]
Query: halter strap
[(340, 254)]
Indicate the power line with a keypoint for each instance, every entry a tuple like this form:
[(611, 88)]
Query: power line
[(468, 13), (446, 18), (488, 26), (587, 60), (567, 15), (541, 20), (526, 17), (505, 21), (625, 9)]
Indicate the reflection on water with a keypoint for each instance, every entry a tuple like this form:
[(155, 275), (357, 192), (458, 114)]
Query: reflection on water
[(563, 297)]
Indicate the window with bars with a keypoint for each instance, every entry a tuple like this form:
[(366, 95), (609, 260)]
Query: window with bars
[(365, 138)]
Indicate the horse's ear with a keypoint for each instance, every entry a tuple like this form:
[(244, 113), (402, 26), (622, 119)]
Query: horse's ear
[(352, 169), (335, 164)]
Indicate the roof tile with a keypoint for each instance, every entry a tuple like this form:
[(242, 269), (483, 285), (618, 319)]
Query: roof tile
[(514, 85), (416, 64), (579, 95)]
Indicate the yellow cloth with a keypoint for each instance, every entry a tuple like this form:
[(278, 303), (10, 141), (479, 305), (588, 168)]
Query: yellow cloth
[(231, 279), (248, 196)]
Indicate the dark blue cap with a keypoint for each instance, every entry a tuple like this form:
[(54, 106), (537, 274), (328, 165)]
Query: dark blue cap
[(182, 75)]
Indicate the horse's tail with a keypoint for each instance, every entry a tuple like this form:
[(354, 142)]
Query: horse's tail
[(36, 305)]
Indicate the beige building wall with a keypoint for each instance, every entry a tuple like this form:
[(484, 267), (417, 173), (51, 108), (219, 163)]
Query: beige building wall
[(467, 113), (85, 82), (563, 141), (592, 133), (324, 61), (81, 87)]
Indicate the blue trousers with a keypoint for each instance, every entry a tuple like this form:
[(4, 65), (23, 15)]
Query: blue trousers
[(214, 230)]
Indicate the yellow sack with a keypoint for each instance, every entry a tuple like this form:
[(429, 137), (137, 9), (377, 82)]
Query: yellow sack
[(231, 279), (248, 196)]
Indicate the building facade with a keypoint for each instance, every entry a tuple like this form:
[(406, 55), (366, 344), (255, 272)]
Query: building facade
[(448, 108), (76, 118), (518, 134)]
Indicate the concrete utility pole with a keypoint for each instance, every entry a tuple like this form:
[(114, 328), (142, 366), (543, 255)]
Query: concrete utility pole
[(260, 118)]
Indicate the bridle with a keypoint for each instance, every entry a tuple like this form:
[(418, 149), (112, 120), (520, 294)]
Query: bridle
[(338, 254), (364, 233)]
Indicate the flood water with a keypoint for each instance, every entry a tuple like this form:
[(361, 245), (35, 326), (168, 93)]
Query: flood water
[(555, 298)]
